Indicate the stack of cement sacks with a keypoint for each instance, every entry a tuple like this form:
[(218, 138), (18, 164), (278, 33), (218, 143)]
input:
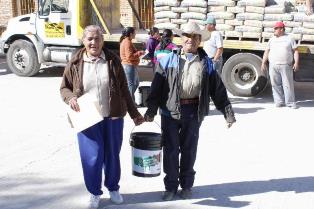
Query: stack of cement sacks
[(196, 12), (279, 12), (167, 13), (174, 14), (238, 18), (224, 12), (252, 18), (305, 27)]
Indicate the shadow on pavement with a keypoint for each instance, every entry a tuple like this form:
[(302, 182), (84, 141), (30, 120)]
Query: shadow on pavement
[(24, 192), (304, 96), (4, 72), (236, 110), (28, 192), (51, 72), (220, 194)]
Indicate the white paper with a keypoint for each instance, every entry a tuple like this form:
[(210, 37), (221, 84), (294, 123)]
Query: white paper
[(88, 115)]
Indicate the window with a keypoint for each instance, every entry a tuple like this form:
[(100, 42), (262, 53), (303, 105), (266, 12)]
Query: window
[(145, 8), (57, 6), (25, 6)]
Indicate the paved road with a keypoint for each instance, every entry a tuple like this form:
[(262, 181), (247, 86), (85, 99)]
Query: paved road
[(265, 161)]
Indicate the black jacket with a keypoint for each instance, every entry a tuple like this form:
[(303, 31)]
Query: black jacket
[(165, 88)]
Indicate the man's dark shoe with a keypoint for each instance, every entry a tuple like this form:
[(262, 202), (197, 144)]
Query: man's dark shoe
[(186, 194), (168, 195)]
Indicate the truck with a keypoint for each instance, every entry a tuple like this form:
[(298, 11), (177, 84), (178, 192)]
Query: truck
[(52, 35)]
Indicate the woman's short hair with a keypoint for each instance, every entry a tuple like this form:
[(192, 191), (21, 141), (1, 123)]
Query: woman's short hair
[(90, 28)]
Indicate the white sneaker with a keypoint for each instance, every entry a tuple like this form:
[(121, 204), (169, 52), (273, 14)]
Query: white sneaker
[(94, 201), (116, 197)]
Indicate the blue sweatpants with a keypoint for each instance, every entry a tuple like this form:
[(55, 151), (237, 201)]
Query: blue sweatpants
[(100, 147)]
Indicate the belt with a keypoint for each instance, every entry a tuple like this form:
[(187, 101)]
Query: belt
[(189, 101)]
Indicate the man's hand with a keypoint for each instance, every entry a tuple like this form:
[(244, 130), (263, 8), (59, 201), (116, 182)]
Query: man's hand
[(229, 116), (138, 120), (229, 124), (74, 105), (295, 67), (148, 118)]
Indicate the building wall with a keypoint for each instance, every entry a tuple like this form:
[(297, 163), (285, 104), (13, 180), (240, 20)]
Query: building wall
[(126, 15), (6, 12)]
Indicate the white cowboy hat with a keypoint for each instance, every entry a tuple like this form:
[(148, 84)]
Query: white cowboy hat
[(192, 28)]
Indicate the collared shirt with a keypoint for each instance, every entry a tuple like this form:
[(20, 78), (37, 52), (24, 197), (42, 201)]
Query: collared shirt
[(96, 81), (190, 77)]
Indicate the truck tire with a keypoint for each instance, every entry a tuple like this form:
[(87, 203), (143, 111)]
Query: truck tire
[(22, 58), (242, 75)]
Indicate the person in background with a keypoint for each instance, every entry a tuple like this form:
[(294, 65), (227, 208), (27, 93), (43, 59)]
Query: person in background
[(97, 71), (182, 86), (214, 46), (309, 7), (283, 57), (130, 58), (165, 46), (152, 42)]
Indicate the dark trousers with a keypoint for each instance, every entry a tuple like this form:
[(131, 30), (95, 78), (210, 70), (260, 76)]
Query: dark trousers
[(180, 139), (100, 147)]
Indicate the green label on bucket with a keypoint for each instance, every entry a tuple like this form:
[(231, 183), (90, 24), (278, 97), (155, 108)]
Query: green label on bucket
[(147, 162)]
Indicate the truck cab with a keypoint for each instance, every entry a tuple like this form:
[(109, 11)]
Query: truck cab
[(48, 35), (53, 33)]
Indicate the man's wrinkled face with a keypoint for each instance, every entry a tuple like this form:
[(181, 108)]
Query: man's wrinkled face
[(190, 42), (93, 43)]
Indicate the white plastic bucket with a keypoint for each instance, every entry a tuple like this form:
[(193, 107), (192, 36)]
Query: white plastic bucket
[(146, 153)]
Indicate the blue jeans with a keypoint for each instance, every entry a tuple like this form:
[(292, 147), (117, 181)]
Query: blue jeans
[(180, 139), (132, 78), (281, 78)]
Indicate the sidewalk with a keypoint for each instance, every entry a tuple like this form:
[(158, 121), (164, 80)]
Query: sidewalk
[(264, 161)]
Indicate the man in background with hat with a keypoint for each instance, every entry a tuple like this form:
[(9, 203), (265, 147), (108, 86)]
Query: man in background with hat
[(214, 46), (283, 57), (183, 84)]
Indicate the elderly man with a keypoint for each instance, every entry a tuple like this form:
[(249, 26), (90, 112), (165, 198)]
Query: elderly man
[(214, 46), (96, 71), (283, 57), (182, 86)]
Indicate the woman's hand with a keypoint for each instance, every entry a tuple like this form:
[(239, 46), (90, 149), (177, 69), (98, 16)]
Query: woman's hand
[(74, 105), (138, 120)]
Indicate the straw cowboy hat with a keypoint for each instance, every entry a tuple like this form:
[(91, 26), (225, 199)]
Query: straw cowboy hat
[(192, 28)]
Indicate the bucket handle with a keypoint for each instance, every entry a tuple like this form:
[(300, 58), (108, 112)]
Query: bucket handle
[(159, 126)]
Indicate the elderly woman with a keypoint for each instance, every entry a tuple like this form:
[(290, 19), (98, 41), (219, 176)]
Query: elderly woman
[(97, 71)]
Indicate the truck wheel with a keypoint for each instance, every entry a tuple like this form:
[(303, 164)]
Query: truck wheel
[(22, 58), (242, 75)]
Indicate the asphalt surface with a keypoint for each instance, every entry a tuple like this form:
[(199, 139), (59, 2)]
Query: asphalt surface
[(264, 161)]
